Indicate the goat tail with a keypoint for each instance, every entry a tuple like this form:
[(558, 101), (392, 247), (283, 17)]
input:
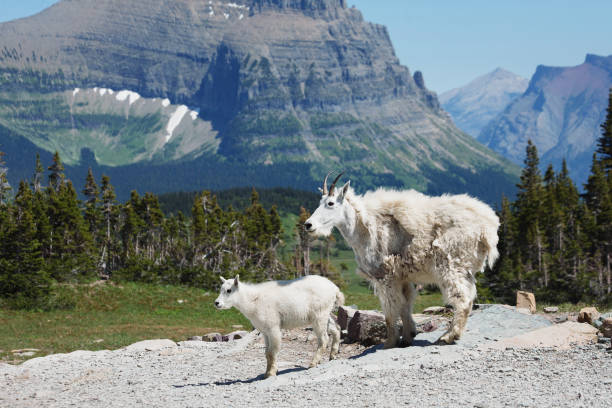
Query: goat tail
[(339, 298), (490, 239)]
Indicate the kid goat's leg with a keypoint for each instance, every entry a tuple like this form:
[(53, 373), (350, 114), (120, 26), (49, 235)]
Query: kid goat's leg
[(334, 330), (273, 341), (320, 328)]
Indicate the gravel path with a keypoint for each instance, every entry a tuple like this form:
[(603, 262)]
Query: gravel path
[(200, 374)]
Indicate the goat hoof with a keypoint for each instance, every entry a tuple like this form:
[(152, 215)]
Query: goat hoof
[(389, 344), (406, 343), (446, 339)]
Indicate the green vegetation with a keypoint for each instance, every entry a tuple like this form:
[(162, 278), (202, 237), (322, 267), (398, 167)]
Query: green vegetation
[(110, 316), (554, 241), (323, 121)]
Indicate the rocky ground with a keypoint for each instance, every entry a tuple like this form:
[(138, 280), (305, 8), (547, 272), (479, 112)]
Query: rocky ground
[(506, 358)]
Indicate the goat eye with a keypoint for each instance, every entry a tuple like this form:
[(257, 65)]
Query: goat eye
[(331, 203), (229, 291)]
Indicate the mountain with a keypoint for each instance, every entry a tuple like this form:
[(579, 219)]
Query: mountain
[(281, 91), (474, 105), (561, 112)]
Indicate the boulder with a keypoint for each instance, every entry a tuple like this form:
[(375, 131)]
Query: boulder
[(195, 338), (345, 314), (561, 336), (606, 327), (211, 336), (525, 300), (237, 335), (588, 315), (367, 327), (551, 309)]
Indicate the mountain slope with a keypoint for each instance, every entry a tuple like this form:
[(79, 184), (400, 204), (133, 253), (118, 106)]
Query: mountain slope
[(281, 85), (561, 112), (474, 105)]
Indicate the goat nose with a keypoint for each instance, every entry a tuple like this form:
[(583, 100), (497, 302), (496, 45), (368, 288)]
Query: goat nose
[(308, 226), (216, 303)]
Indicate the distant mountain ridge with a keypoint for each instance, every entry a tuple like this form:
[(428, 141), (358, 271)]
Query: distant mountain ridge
[(283, 88), (561, 112), (474, 105)]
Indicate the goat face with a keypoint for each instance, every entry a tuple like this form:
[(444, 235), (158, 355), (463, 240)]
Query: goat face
[(228, 295), (329, 214)]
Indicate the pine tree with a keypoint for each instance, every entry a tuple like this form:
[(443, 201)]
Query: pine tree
[(304, 242), (604, 143), (92, 212), (5, 187), (23, 279), (528, 210), (57, 177), (39, 173), (110, 253)]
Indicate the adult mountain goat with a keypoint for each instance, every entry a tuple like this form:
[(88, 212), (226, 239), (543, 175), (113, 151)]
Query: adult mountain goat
[(401, 238)]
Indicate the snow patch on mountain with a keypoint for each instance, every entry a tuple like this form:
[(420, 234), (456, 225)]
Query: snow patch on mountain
[(174, 121), (132, 96)]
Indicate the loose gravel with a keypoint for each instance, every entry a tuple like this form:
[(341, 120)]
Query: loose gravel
[(201, 374)]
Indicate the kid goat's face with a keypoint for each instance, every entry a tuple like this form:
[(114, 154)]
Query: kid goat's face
[(227, 294)]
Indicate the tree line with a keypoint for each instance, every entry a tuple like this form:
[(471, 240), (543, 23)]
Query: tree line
[(48, 235), (555, 240)]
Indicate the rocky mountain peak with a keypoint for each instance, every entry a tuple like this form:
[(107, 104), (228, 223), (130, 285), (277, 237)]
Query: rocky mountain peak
[(294, 85), (315, 8)]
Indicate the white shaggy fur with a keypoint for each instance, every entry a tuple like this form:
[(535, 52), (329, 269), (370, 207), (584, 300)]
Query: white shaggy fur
[(404, 237), (275, 305)]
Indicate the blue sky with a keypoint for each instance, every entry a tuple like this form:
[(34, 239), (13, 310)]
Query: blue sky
[(452, 42)]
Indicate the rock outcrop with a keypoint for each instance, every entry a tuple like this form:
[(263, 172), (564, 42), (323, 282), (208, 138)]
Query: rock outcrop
[(561, 112), (300, 86)]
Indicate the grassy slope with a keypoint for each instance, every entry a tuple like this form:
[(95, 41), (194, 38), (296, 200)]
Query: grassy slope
[(114, 316)]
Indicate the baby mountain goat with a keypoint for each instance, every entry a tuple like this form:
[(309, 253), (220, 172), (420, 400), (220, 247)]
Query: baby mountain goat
[(272, 306), (404, 237)]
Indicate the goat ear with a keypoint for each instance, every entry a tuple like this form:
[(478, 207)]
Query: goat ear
[(344, 189), (236, 281), (320, 190), (222, 279)]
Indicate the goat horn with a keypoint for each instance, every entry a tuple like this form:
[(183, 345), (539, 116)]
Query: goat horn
[(331, 189), (325, 192)]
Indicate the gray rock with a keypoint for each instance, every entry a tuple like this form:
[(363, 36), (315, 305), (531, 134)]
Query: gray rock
[(588, 315), (237, 335), (525, 300), (195, 338), (606, 327), (211, 336), (367, 327), (551, 309), (345, 314)]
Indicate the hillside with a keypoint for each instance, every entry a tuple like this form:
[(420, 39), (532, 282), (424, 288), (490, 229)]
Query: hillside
[(561, 112), (474, 105), (283, 91)]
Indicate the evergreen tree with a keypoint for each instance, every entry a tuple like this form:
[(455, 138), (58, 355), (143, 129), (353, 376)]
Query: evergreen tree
[(93, 215), (604, 143), (528, 209), (5, 187), (39, 173), (23, 279), (57, 177)]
